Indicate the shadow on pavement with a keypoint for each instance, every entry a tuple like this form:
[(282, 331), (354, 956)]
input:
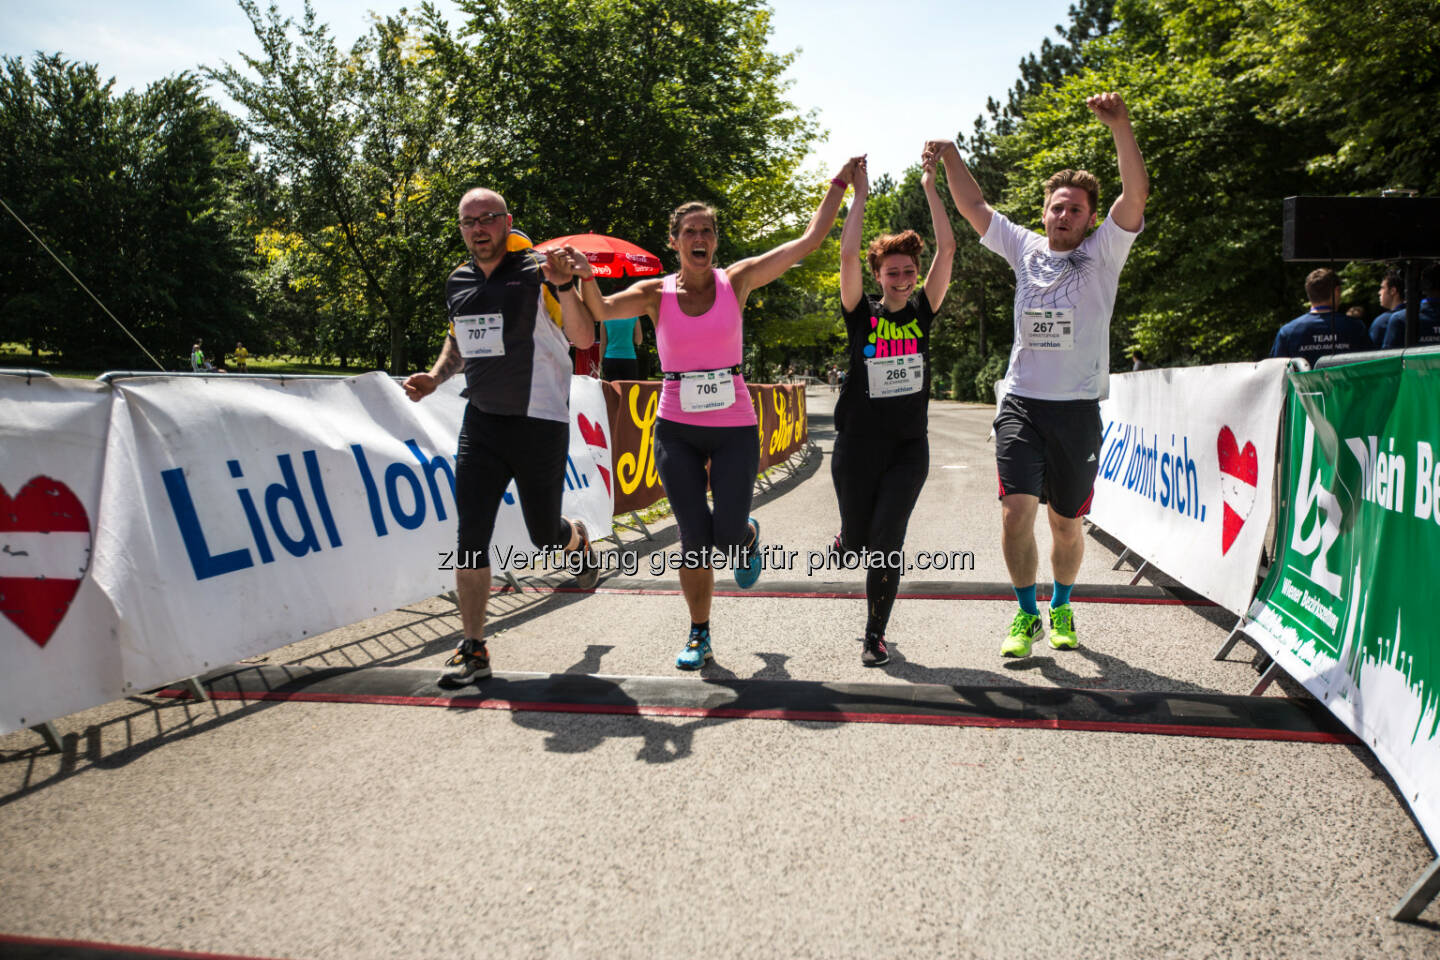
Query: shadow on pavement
[(114, 743)]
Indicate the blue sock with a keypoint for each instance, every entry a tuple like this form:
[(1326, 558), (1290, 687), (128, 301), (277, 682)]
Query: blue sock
[(1026, 596), (1061, 594)]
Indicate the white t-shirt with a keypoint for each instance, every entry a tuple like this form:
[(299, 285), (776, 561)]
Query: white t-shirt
[(1063, 304)]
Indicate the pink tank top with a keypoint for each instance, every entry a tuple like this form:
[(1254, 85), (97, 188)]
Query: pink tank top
[(707, 342)]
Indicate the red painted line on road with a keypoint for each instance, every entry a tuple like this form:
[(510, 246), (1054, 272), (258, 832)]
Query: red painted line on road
[(851, 595), (822, 716), (123, 948)]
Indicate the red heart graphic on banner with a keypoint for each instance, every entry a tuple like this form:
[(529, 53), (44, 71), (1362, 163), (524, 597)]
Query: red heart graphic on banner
[(594, 435), (44, 552), (1239, 477)]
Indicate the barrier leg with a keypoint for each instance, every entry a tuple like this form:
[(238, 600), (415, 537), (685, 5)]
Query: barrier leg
[(1120, 559), (1138, 571), (49, 734), (1419, 896), (196, 690), (1235, 637), (635, 524), (635, 518), (1267, 678)]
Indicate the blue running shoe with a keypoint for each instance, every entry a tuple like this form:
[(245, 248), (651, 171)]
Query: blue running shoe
[(696, 652), (748, 570)]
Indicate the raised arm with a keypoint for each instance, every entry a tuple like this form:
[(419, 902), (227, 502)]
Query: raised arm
[(937, 279), (754, 272), (575, 317), (852, 277), (969, 201), (636, 299), (1128, 211)]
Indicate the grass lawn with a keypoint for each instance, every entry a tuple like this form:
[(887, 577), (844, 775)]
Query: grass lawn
[(18, 355)]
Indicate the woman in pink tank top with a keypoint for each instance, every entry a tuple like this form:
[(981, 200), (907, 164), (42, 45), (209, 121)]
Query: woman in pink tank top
[(706, 416)]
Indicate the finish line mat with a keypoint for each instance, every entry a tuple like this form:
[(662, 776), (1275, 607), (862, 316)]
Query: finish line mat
[(1052, 708)]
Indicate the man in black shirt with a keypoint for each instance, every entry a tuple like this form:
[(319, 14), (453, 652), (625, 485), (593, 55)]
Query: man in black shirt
[(511, 312)]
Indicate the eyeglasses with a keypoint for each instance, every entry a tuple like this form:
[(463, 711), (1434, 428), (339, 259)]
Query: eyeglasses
[(484, 220)]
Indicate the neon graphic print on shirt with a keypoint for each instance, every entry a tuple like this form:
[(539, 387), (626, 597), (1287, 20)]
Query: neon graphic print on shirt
[(891, 340)]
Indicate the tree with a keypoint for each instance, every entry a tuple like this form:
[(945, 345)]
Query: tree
[(365, 159), (138, 195), (605, 115), (1378, 92)]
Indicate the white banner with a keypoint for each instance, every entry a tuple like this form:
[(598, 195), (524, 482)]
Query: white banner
[(57, 650), (1187, 466), (240, 515)]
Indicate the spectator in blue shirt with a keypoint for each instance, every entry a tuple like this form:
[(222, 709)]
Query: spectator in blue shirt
[(1429, 314), (1392, 297), (1324, 329)]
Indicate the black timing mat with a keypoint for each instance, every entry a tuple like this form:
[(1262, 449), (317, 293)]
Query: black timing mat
[(1121, 711)]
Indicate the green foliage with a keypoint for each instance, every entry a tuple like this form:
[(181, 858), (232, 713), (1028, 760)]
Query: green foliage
[(138, 195), (605, 115), (1236, 106), (363, 160), (334, 239)]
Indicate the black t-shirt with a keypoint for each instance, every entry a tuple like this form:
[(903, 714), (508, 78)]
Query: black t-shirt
[(875, 332)]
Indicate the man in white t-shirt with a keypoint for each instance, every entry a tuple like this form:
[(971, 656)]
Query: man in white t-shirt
[(1047, 432)]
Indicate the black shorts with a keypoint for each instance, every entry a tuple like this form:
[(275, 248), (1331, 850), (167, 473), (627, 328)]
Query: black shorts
[(1049, 449), (493, 450), (620, 368)]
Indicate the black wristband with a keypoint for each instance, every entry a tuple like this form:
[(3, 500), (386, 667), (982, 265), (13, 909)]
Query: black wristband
[(567, 285)]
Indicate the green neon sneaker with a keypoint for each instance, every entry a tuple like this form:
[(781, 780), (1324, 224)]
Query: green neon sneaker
[(1062, 628), (1023, 631)]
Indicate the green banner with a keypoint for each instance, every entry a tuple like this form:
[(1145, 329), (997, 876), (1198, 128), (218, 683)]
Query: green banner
[(1348, 607)]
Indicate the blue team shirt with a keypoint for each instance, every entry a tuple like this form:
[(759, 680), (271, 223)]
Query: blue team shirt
[(1429, 326), (1320, 333), (1379, 325)]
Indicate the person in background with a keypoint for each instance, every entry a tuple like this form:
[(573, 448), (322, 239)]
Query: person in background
[(1392, 297), (1323, 330), (618, 340), (198, 363), (242, 356), (1429, 314)]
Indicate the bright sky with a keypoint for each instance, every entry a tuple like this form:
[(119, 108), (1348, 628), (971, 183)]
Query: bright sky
[(881, 83)]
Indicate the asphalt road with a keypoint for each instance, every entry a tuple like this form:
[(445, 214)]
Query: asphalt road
[(360, 830)]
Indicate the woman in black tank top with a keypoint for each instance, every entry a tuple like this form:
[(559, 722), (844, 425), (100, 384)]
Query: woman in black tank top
[(881, 454)]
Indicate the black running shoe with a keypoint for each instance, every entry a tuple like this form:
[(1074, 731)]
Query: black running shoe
[(875, 652), (470, 662), (589, 574)]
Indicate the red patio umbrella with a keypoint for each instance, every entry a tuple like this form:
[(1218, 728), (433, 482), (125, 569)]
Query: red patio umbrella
[(609, 256)]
